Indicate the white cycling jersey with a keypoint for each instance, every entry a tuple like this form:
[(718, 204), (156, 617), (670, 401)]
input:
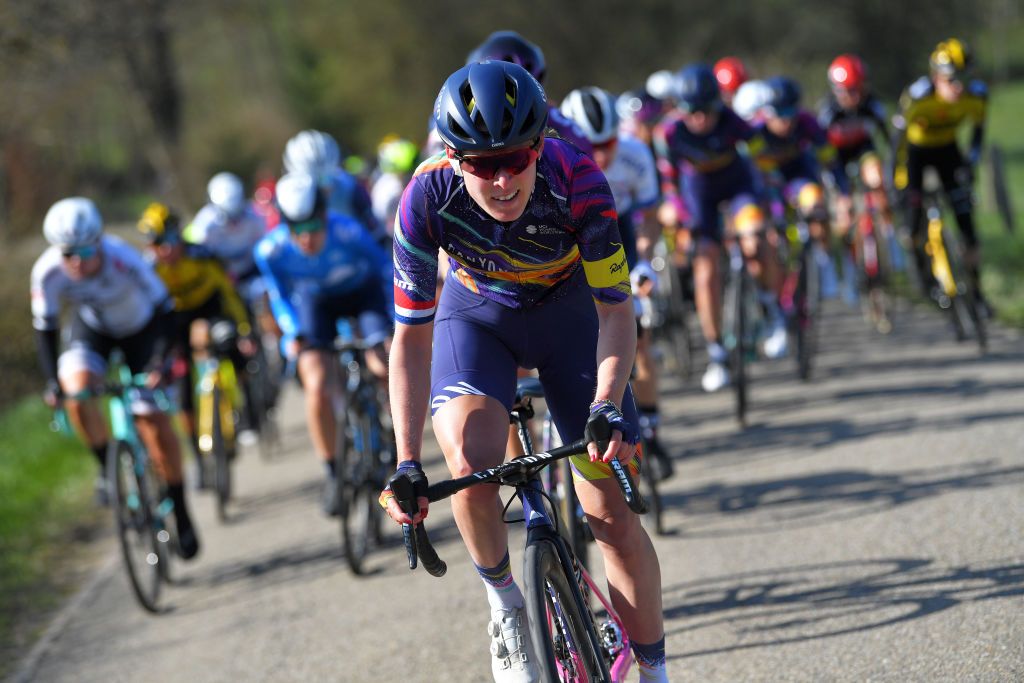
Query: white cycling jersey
[(633, 176), (385, 195), (118, 301), (230, 240)]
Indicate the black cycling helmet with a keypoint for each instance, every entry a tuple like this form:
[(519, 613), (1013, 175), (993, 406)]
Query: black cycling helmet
[(784, 97), (697, 88), (509, 46), (492, 105)]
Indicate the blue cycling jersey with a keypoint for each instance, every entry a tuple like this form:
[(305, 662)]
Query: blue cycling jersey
[(347, 196), (349, 260)]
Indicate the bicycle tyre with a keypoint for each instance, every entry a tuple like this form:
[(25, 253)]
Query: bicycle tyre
[(560, 624), (738, 353), (134, 525), (649, 491), (574, 525), (222, 464), (807, 312), (356, 516)]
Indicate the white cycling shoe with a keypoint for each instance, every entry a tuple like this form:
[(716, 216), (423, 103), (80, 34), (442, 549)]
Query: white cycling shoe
[(512, 656), (715, 377), (776, 345)]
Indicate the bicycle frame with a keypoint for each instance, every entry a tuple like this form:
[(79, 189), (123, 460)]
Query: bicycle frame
[(213, 373)]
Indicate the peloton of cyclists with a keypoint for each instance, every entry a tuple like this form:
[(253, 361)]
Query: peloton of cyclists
[(117, 302)]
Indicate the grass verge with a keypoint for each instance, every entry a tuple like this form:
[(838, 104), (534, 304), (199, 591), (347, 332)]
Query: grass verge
[(46, 513)]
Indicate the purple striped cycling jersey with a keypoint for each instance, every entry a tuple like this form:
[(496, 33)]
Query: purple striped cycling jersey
[(681, 152), (569, 130), (569, 223)]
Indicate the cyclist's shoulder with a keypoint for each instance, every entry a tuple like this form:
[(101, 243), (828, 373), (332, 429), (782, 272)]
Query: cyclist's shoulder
[(47, 266), (918, 91), (977, 88), (274, 244)]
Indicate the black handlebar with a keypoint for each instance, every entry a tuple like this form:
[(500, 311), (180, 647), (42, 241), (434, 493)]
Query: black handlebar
[(512, 473)]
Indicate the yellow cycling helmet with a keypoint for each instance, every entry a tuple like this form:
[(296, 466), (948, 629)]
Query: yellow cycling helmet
[(397, 155), (157, 221), (951, 58)]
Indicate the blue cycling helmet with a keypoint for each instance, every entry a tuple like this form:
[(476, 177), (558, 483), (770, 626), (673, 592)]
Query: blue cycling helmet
[(491, 105), (784, 97), (509, 46), (697, 88)]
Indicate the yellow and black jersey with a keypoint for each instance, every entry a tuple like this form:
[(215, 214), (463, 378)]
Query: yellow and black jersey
[(194, 279), (930, 121)]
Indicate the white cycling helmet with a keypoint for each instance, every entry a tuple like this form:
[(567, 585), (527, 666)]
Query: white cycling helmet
[(72, 222), (751, 97), (226, 192), (298, 197), (593, 110), (661, 85), (312, 152)]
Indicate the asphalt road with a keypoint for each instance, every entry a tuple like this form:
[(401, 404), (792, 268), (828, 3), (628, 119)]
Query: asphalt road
[(865, 526)]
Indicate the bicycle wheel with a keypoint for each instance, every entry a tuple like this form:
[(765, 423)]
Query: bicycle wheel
[(575, 529), (735, 301), (964, 304), (222, 463), (357, 516), (807, 298), (649, 491), (561, 626), (133, 520)]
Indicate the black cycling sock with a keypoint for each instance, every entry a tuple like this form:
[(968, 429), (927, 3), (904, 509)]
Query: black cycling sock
[(331, 470), (101, 456), (176, 492)]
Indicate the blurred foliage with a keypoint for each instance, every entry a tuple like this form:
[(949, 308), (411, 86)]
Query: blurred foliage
[(115, 97)]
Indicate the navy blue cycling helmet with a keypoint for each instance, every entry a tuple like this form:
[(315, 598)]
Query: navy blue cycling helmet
[(784, 97), (697, 88), (491, 105), (509, 46)]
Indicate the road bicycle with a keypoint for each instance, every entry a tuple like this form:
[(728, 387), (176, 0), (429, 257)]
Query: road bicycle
[(572, 643), (956, 293), (365, 451), (742, 324), (666, 310), (218, 397), (802, 295), (139, 503)]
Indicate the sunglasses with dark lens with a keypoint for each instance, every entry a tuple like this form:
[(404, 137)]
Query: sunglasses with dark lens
[(315, 224), (170, 239), (85, 251), (486, 167)]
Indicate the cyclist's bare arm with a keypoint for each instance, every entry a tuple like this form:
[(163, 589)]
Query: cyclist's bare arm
[(616, 350)]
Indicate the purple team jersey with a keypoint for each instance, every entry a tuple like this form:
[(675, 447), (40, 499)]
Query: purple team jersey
[(569, 223)]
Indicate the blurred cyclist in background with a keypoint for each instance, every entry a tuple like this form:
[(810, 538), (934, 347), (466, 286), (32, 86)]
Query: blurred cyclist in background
[(931, 112), (509, 46), (396, 160), (117, 301), (315, 153)]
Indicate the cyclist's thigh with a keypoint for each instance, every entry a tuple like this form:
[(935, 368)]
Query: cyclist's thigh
[(473, 347), (87, 351), (138, 351), (701, 198), (568, 371)]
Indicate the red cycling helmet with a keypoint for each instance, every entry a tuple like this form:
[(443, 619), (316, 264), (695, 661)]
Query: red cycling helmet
[(730, 74), (848, 72)]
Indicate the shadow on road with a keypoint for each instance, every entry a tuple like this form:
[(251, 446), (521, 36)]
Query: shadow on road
[(795, 502), (789, 605)]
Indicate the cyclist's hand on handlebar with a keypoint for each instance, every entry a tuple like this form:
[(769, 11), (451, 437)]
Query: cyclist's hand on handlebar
[(53, 394), (413, 472), (606, 423)]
